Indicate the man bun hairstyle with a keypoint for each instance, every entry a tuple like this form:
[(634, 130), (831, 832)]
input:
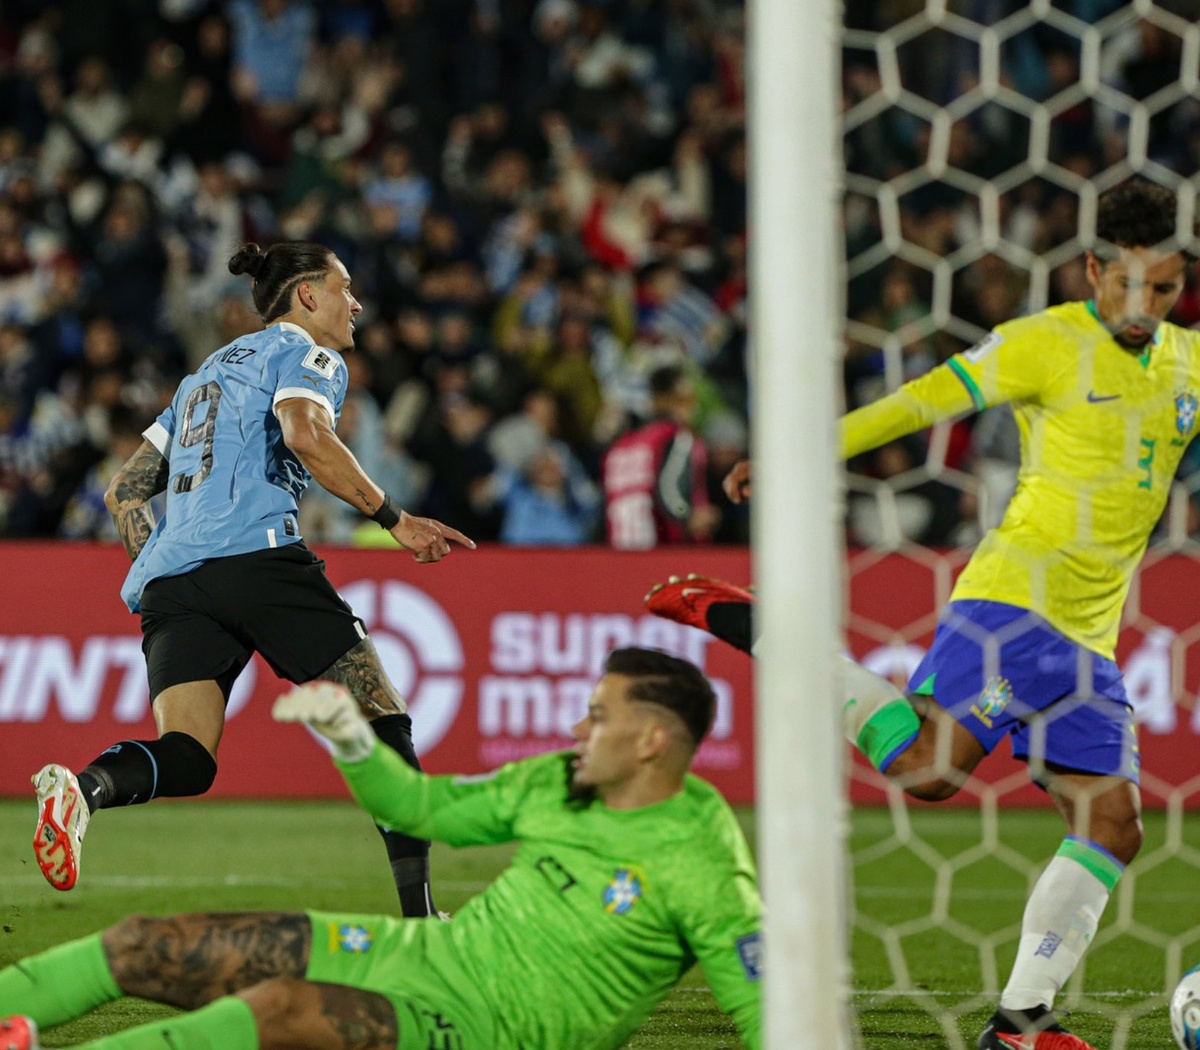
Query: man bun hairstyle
[(669, 682), (278, 272), (1138, 213)]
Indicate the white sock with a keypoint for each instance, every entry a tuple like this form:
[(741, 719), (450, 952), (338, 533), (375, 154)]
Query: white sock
[(1060, 920), (864, 694)]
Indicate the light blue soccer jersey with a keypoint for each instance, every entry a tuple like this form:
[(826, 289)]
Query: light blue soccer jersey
[(233, 484)]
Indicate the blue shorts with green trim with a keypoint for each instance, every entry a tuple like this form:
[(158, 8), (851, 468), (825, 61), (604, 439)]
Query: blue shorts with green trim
[(1000, 670)]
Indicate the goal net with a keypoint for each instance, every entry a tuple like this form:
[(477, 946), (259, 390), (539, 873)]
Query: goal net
[(978, 136)]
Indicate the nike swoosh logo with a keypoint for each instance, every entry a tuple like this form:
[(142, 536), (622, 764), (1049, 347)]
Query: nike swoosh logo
[(1095, 398), (687, 592), (1017, 1042)]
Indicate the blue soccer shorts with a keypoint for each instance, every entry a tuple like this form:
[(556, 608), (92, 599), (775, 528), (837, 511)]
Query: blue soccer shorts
[(1000, 670)]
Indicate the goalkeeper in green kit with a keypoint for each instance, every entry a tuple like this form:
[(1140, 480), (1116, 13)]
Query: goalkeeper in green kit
[(629, 870)]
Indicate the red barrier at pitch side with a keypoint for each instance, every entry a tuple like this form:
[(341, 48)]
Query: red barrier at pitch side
[(497, 651)]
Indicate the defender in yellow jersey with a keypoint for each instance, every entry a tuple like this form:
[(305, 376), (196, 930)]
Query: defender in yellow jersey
[(1105, 394)]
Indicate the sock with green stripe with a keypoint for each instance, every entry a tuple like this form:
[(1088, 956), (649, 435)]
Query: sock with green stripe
[(60, 984), (1060, 920), (225, 1024), (876, 717)]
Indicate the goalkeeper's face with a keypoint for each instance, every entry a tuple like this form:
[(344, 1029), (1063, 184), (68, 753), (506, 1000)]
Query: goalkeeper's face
[(1135, 291), (612, 740)]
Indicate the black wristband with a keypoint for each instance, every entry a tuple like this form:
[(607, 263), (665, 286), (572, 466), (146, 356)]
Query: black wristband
[(387, 515)]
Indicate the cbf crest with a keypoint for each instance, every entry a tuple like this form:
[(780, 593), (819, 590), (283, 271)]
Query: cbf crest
[(995, 696), (1185, 412), (350, 937), (624, 890)]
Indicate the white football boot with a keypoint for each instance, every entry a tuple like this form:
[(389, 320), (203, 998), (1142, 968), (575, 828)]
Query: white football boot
[(63, 818)]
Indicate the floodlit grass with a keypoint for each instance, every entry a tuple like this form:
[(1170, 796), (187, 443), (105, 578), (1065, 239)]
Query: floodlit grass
[(203, 856)]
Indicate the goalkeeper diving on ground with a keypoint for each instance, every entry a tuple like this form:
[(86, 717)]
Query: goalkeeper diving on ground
[(630, 870)]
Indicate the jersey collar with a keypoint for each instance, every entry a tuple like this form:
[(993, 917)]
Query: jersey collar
[(1155, 339), (295, 329)]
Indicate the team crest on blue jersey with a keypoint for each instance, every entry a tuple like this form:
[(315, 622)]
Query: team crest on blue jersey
[(1185, 412), (624, 890), (349, 937), (996, 695)]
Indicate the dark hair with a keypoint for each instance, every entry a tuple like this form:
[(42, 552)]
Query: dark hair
[(669, 682), (278, 271), (664, 379), (1138, 213)]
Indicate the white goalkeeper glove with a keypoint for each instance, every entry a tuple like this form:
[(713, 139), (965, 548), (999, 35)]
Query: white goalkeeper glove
[(331, 711)]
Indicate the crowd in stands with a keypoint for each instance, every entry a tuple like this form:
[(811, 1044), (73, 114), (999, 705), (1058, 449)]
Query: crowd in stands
[(542, 204)]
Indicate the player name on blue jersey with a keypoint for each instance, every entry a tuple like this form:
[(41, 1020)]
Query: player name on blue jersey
[(233, 484)]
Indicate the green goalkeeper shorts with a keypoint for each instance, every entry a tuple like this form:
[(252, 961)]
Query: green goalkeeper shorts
[(414, 964)]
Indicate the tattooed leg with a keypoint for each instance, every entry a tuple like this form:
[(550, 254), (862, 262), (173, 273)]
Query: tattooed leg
[(310, 1015), (360, 671), (190, 960)]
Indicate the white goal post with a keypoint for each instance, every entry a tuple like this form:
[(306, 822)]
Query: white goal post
[(795, 319)]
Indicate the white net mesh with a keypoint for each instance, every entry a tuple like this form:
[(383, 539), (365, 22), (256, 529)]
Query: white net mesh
[(979, 135)]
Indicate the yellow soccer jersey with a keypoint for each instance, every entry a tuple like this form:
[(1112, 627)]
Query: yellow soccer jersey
[(1102, 432)]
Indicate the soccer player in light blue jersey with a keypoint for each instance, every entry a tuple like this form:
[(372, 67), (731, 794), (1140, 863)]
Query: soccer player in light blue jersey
[(225, 572)]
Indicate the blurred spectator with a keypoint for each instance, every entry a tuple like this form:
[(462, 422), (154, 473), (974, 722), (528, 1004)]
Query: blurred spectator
[(397, 195), (727, 441), (130, 263), (453, 442), (208, 118), (155, 101), (655, 477), (86, 517), (550, 502), (272, 40), (84, 122), (671, 308)]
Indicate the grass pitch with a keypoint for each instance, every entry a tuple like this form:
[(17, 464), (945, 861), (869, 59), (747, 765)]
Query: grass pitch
[(937, 915)]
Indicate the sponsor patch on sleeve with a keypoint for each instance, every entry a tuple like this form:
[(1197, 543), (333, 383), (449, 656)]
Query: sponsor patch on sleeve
[(321, 361), (749, 950), (984, 347)]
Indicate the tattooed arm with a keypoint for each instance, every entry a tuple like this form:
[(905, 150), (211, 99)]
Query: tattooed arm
[(129, 493)]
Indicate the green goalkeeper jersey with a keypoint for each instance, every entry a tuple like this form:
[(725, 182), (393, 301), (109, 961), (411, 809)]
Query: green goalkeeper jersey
[(601, 912)]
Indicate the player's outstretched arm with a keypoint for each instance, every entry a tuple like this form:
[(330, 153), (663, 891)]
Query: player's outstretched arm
[(308, 432), (128, 496), (463, 811), (331, 711)]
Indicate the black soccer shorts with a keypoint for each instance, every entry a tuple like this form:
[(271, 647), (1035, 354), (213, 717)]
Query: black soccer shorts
[(207, 623)]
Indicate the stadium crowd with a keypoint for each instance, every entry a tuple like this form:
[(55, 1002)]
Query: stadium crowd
[(542, 202)]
